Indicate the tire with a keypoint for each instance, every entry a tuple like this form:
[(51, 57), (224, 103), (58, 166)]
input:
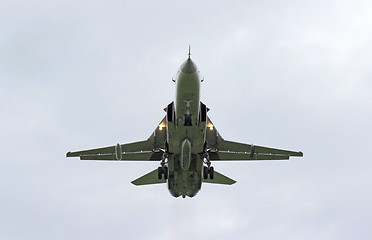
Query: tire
[(160, 173), (205, 172), (165, 171), (211, 173)]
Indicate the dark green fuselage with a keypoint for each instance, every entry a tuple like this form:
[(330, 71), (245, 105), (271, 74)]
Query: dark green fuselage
[(186, 135)]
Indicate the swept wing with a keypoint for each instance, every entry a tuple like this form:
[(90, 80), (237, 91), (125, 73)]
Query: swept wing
[(147, 150), (220, 149)]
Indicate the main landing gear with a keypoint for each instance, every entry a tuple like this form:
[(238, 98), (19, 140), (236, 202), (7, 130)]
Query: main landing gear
[(163, 170), (207, 170)]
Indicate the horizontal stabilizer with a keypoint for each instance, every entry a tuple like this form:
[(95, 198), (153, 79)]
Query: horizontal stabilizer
[(220, 179), (150, 178)]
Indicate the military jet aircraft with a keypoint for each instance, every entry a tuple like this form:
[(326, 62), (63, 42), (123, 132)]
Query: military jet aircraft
[(185, 143)]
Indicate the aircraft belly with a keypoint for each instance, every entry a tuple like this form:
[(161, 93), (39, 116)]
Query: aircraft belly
[(186, 139), (187, 97), (185, 154), (187, 106), (183, 182)]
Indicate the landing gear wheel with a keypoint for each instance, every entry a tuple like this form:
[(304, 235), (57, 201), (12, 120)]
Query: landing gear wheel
[(205, 172), (211, 173), (160, 172), (165, 172)]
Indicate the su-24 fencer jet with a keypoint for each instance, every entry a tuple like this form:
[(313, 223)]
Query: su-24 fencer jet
[(185, 143)]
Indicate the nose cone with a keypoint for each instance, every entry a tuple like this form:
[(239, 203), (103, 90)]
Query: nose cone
[(188, 66)]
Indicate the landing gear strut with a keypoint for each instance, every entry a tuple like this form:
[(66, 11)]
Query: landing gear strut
[(207, 170), (163, 170)]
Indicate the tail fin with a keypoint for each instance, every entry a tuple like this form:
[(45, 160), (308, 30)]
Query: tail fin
[(150, 178), (220, 179)]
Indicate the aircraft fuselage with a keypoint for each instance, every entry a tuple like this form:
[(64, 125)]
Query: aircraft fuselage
[(186, 134)]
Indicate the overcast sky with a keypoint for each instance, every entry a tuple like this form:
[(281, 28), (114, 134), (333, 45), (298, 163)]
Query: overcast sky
[(84, 74)]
